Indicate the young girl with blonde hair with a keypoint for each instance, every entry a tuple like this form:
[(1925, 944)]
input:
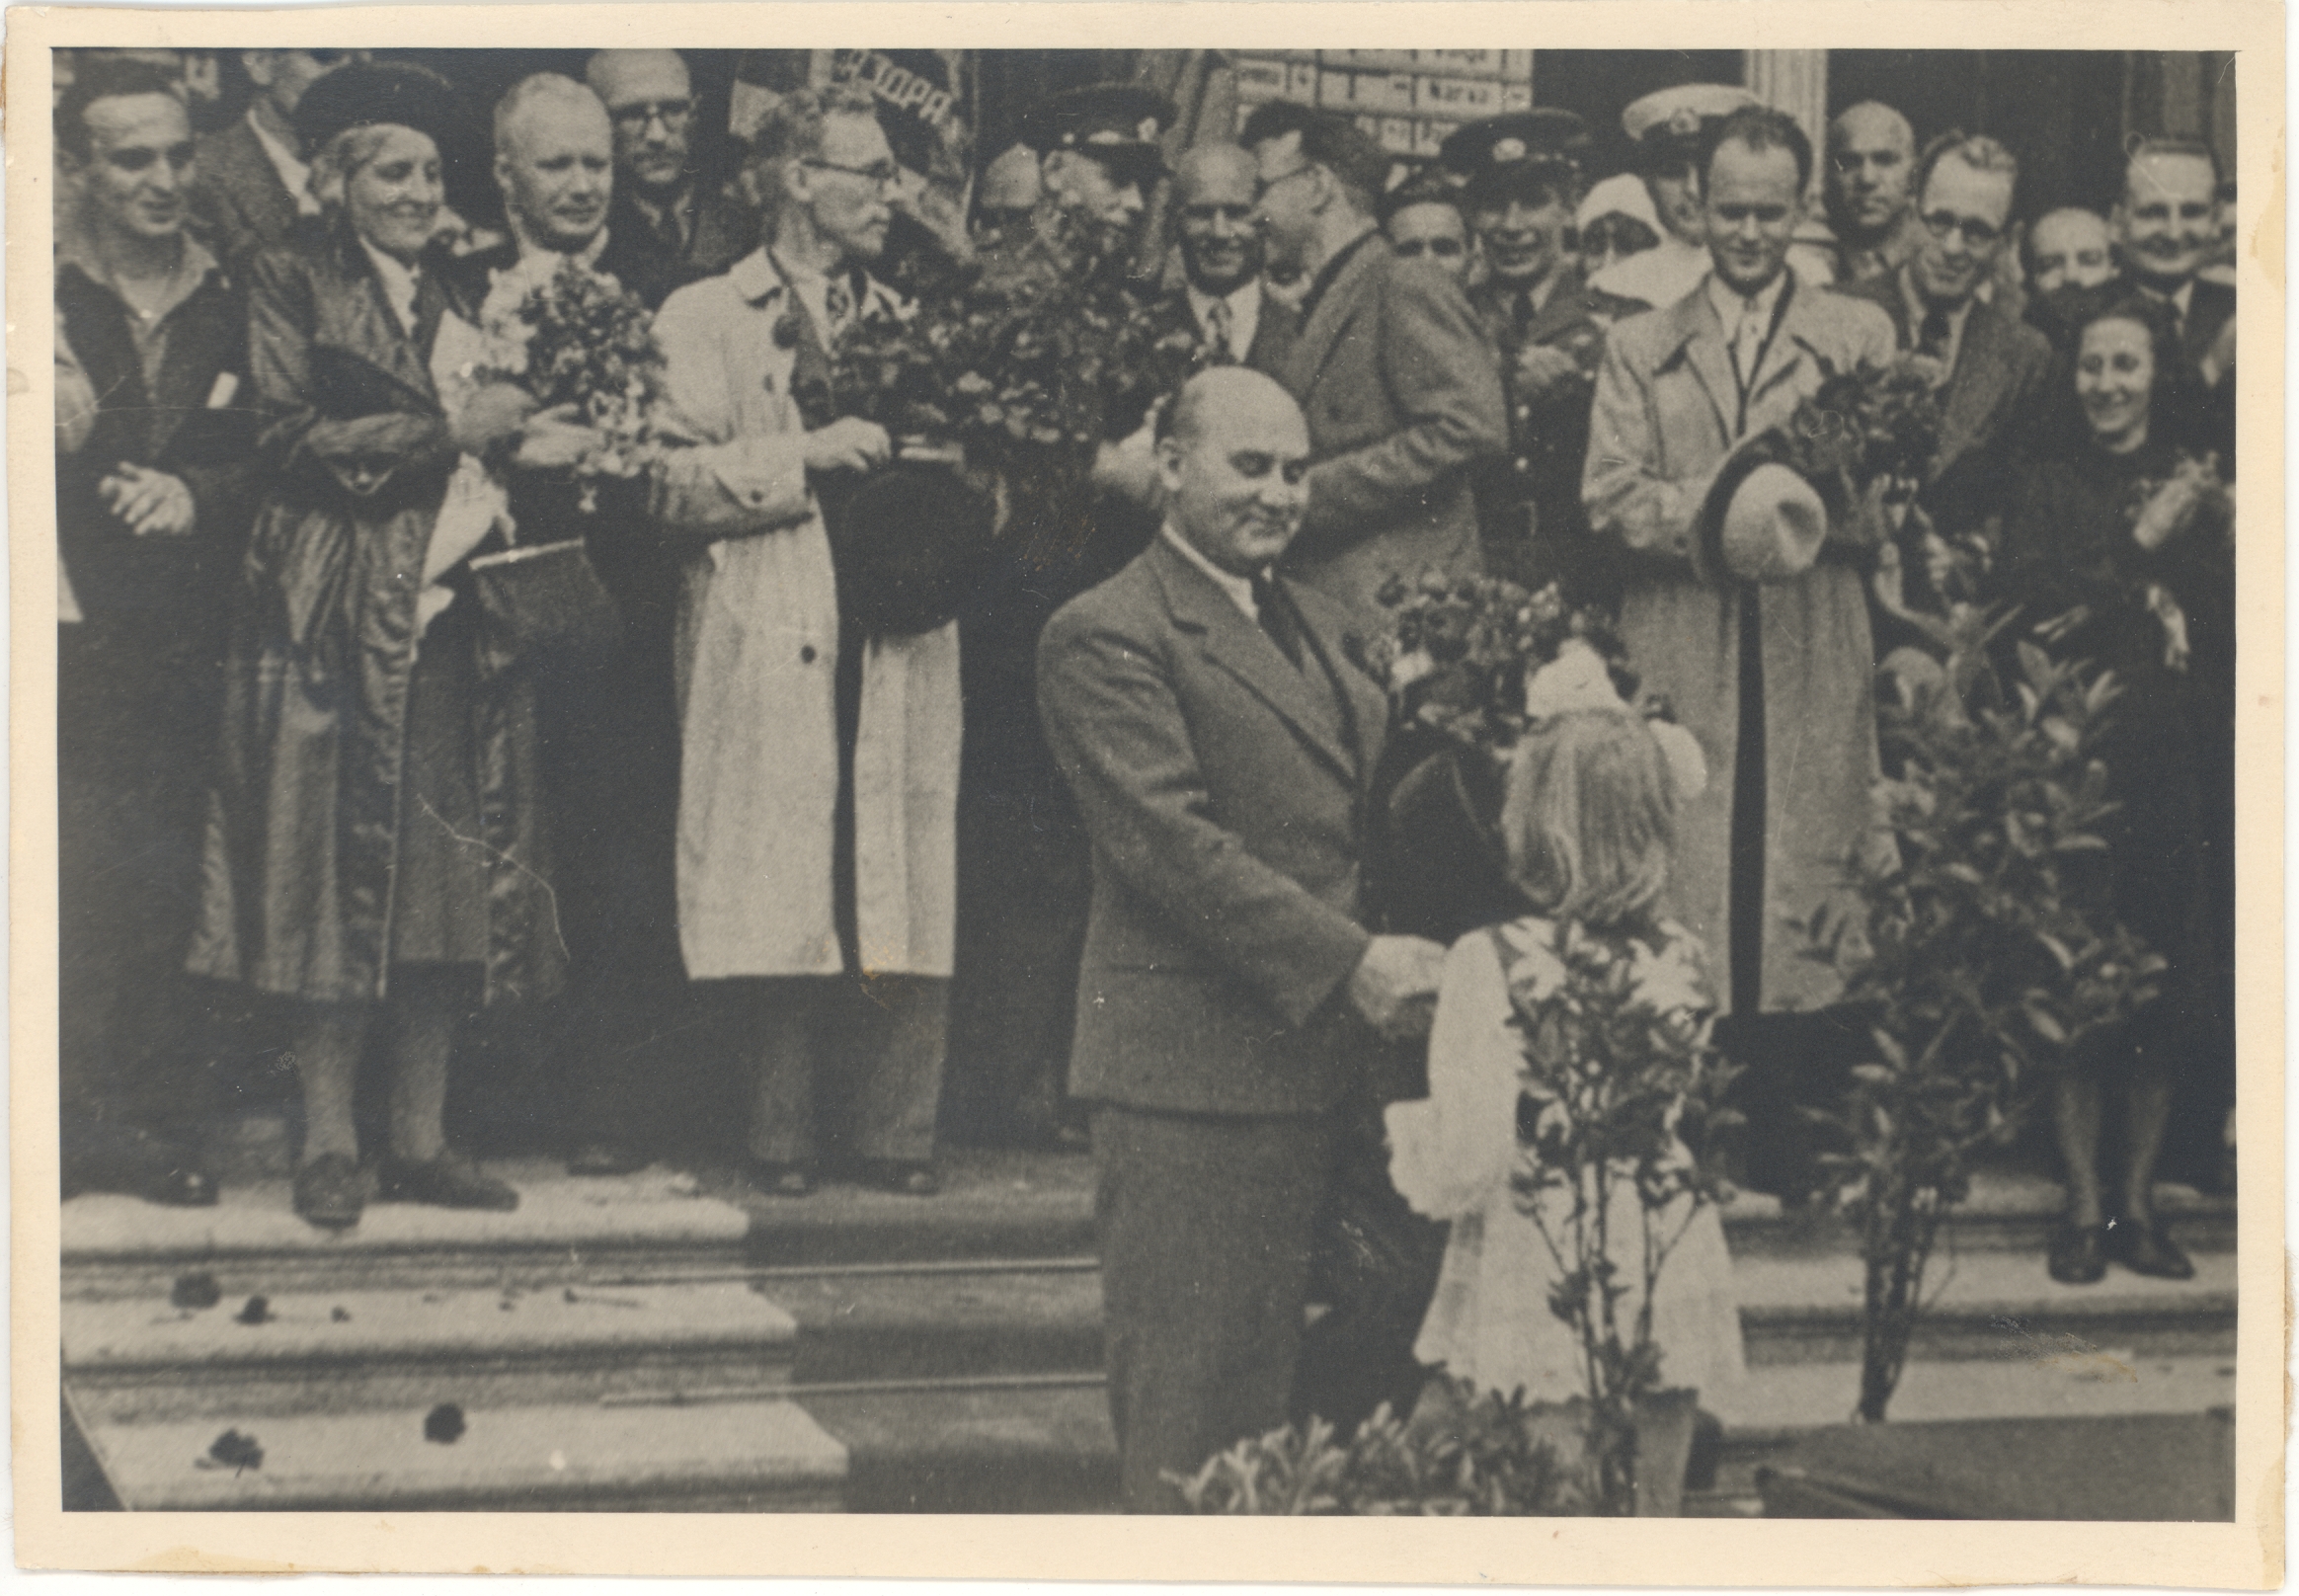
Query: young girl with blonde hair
[(1589, 821)]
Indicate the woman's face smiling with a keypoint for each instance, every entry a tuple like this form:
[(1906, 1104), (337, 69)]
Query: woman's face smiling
[(394, 196), (2115, 381)]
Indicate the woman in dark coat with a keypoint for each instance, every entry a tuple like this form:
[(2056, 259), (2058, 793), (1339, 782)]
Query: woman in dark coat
[(374, 849), (2116, 548)]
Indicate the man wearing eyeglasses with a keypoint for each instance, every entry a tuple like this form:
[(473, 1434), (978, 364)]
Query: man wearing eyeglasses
[(691, 228), (818, 767), (252, 193), (1994, 366), (1400, 388)]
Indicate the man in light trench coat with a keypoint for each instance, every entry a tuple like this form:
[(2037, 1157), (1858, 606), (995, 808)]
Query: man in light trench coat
[(1775, 678), (815, 870)]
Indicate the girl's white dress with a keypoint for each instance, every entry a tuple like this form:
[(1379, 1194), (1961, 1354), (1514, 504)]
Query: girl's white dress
[(1450, 1156)]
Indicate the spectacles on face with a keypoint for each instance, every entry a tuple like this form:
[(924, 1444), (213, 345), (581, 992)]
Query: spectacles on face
[(1264, 187), (636, 117), (1444, 249), (1977, 234), (885, 175)]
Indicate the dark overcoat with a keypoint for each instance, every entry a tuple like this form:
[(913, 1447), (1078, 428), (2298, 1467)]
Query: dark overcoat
[(304, 826)]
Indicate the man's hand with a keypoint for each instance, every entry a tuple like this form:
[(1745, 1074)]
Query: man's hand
[(555, 439), (1394, 984), (1542, 370), (496, 411), (849, 443), (152, 504)]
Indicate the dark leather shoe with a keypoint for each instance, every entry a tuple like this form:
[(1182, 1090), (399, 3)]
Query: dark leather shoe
[(903, 1176), (446, 1181), (330, 1191), (2078, 1254), (2145, 1249), (781, 1180), (606, 1159)]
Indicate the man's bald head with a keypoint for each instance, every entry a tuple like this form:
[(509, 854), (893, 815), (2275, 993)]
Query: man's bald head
[(1212, 217), (554, 160), (650, 73), (1234, 462), (1871, 162)]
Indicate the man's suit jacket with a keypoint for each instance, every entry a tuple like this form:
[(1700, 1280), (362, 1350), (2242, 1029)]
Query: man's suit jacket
[(720, 232), (1224, 791), (1994, 397), (1402, 392), (239, 201), (1274, 333)]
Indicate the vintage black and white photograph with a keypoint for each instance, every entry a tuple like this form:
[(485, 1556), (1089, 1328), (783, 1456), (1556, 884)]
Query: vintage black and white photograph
[(1198, 781)]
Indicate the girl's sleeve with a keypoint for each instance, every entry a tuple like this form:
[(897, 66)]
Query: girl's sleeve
[(1448, 1150)]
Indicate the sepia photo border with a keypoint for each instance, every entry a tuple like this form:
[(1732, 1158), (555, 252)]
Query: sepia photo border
[(2246, 1554)]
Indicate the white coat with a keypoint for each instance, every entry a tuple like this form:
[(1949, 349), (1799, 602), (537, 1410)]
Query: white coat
[(757, 647)]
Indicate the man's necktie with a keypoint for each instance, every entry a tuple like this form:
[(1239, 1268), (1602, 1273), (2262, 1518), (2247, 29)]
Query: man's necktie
[(1277, 618), (1521, 313), (1931, 339), (1219, 331)]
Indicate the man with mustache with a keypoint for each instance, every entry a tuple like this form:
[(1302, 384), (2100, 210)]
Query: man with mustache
[(1870, 192), (1774, 677), (683, 227), (252, 189), (819, 767), (154, 495), (609, 739), (1218, 738), (1522, 176)]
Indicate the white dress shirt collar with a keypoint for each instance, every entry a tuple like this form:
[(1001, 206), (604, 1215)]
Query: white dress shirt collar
[(1245, 303), (1730, 306), (1239, 589)]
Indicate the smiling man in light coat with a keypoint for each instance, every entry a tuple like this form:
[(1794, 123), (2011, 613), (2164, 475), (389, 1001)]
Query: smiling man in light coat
[(1776, 678), (792, 734)]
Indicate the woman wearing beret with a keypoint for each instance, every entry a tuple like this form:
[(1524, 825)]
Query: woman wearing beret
[(374, 852), (2118, 551)]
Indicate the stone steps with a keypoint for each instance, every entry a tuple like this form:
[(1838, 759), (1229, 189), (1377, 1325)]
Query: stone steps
[(581, 1457), (949, 1349), (132, 1361)]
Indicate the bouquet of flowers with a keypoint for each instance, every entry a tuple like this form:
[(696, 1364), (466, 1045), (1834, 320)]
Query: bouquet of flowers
[(579, 338), (1460, 650), (1032, 359), (1877, 421)]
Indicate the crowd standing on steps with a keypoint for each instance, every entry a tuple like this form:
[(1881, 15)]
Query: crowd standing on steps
[(1082, 860)]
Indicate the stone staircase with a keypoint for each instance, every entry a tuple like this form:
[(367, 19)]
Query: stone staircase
[(665, 1342)]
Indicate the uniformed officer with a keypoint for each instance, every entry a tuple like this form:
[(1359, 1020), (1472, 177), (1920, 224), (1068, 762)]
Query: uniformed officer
[(1521, 180), (1099, 156), (1666, 128)]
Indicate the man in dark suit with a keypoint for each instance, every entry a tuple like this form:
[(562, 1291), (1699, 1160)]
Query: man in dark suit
[(1220, 745), (1997, 369), (609, 730), (677, 227), (154, 495), (1220, 298), (1400, 389), (1521, 177), (2166, 228), (251, 191)]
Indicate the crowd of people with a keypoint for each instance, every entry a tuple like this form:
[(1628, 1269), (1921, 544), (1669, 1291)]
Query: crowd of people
[(1085, 864)]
